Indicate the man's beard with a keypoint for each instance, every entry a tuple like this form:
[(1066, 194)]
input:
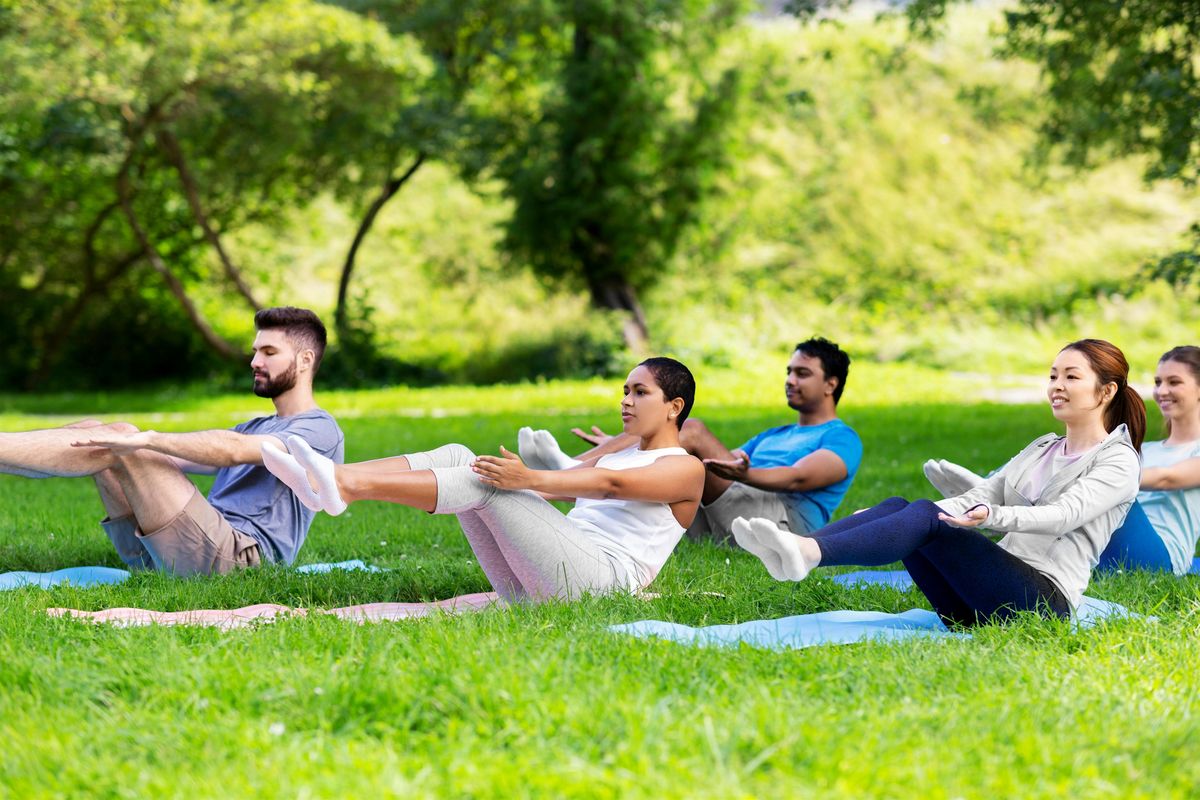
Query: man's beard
[(273, 387)]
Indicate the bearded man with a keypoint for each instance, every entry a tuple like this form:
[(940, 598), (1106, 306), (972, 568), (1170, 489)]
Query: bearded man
[(156, 517)]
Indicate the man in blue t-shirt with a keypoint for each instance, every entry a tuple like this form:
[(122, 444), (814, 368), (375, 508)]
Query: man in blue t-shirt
[(794, 475), (156, 516)]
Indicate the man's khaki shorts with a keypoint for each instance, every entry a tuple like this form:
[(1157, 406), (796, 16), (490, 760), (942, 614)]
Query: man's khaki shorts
[(715, 520), (198, 541)]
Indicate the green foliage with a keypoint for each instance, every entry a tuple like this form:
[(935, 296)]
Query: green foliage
[(1119, 79), (629, 140)]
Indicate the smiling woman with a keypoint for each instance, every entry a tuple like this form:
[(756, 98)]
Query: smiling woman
[(1058, 502), (631, 507)]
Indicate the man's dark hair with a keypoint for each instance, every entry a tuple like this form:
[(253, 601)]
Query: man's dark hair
[(675, 380), (834, 361), (301, 326)]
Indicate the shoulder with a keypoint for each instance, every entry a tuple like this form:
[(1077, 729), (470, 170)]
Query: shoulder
[(681, 461)]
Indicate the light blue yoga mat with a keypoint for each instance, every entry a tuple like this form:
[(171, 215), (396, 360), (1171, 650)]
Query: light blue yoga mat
[(76, 576), (1195, 570), (804, 630), (102, 576)]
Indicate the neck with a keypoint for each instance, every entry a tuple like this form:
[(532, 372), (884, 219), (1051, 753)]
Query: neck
[(294, 401), (1083, 436), (667, 437), (816, 416), (1184, 431)]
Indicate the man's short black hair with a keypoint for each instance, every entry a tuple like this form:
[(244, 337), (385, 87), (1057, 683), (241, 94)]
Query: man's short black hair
[(301, 326), (675, 380), (834, 361)]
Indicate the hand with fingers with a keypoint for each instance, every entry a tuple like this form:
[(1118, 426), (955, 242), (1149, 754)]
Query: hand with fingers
[(506, 471), (120, 443), (595, 438), (971, 518), (734, 469)]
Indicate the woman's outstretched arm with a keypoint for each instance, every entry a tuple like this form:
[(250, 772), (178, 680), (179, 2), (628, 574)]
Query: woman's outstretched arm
[(670, 479)]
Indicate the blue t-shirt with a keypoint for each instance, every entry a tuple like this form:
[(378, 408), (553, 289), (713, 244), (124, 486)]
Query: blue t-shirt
[(787, 444), (257, 503)]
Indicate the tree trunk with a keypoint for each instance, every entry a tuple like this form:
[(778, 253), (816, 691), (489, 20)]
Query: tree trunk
[(174, 153), (211, 337), (619, 295), (340, 321)]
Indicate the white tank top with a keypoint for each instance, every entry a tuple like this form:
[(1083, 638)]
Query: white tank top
[(639, 535)]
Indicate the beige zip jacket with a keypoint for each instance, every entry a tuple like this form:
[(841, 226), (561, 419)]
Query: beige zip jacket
[(1064, 533)]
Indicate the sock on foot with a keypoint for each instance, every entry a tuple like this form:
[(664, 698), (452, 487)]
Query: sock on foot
[(283, 465), (748, 541), (550, 453), (320, 470), (784, 544), (527, 449)]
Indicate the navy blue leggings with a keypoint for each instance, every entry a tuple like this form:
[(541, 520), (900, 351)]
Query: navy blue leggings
[(966, 576)]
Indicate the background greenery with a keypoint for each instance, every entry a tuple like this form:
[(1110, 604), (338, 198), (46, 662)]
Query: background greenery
[(889, 192)]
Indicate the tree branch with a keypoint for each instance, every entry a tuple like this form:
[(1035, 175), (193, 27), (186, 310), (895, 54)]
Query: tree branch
[(389, 190), (174, 154)]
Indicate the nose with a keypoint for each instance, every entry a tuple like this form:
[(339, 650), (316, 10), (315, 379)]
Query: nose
[(257, 361)]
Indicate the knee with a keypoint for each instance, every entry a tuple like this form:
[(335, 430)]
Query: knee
[(460, 454), (123, 427), (691, 430)]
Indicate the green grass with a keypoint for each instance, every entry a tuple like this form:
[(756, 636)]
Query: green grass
[(542, 701)]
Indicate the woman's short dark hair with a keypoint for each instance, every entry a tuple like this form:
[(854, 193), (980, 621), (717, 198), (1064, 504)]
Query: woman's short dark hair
[(675, 380)]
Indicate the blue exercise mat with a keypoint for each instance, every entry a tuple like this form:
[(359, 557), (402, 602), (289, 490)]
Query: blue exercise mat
[(895, 578), (81, 577), (804, 630), (75, 576), (1195, 570)]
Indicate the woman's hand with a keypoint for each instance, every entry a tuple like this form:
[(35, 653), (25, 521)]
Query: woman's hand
[(505, 471), (971, 518)]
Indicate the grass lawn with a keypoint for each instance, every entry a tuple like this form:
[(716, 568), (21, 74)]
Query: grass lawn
[(542, 701)]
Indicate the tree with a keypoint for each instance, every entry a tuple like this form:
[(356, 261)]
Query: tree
[(485, 57), (1120, 80), (135, 135), (629, 137)]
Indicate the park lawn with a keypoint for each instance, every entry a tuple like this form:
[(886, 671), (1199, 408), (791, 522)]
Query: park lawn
[(543, 701)]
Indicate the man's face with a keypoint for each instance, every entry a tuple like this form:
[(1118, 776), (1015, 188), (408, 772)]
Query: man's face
[(805, 384), (273, 363)]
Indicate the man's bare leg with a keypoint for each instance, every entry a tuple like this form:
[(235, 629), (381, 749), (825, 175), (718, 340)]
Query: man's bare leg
[(116, 505), (48, 453)]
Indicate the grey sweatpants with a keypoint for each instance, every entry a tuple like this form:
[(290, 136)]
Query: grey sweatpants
[(527, 547)]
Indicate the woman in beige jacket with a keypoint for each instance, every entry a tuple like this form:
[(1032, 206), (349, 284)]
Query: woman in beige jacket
[(1057, 502)]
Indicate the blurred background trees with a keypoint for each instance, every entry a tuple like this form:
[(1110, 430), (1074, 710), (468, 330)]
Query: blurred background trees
[(477, 190)]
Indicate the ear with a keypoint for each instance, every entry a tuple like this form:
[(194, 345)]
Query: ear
[(831, 384), (306, 358), (676, 408)]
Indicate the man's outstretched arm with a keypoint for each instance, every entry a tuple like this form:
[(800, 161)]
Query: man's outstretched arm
[(816, 470), (197, 449)]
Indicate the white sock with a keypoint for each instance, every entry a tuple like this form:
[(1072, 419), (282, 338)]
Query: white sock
[(782, 546), (949, 478), (320, 469), (283, 465), (749, 542), (527, 449), (550, 453)]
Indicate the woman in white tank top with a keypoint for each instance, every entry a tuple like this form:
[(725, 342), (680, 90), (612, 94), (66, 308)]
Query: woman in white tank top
[(631, 508)]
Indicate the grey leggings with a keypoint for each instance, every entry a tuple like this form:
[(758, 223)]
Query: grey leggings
[(527, 547)]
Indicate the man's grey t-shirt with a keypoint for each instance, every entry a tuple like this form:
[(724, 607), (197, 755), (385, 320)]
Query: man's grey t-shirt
[(257, 503)]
